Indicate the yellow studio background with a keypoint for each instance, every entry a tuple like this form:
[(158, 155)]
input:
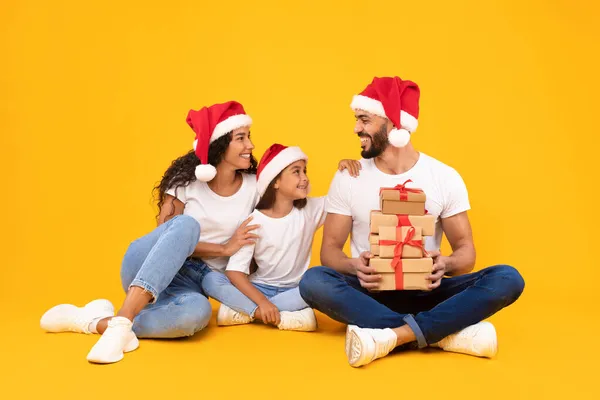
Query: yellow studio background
[(93, 104)]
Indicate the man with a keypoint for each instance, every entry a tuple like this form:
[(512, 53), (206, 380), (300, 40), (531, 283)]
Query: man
[(449, 314)]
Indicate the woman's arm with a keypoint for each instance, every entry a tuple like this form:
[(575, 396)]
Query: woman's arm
[(172, 207), (243, 236)]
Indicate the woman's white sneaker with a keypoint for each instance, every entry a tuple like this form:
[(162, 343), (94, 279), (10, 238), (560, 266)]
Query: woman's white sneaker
[(303, 320), (228, 316), (70, 318), (365, 345), (116, 340), (477, 340)]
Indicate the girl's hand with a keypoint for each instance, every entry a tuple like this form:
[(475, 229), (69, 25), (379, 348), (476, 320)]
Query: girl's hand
[(269, 313), (352, 166), (240, 238)]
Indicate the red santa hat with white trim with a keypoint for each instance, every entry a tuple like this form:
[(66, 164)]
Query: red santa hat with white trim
[(394, 99), (276, 159), (211, 123)]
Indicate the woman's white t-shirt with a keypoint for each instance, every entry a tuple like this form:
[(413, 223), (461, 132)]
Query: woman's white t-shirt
[(218, 216), (282, 253)]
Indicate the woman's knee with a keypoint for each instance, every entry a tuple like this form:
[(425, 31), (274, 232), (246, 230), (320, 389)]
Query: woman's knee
[(196, 317), (189, 314), (187, 226)]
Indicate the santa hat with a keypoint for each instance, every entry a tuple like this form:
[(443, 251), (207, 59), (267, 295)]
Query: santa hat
[(276, 159), (211, 123), (394, 99)]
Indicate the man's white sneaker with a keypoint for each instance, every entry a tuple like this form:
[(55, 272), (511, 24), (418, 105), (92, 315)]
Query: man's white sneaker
[(303, 320), (69, 318), (365, 345), (228, 316), (116, 339), (477, 340)]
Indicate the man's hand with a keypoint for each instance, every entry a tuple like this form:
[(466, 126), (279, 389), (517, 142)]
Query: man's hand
[(440, 263), (366, 275)]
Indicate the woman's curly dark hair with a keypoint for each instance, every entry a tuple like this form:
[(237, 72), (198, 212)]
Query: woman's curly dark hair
[(182, 171)]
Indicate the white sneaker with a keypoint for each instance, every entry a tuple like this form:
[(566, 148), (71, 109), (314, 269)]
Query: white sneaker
[(228, 316), (365, 345), (117, 338), (303, 320), (69, 318), (477, 340)]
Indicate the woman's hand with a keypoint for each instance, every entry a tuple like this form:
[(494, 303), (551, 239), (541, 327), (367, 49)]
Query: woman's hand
[(240, 238)]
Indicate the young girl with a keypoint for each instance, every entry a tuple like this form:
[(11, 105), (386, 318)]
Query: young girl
[(287, 221), (198, 230)]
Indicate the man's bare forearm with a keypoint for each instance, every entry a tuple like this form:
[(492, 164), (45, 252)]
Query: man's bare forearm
[(335, 258), (461, 261)]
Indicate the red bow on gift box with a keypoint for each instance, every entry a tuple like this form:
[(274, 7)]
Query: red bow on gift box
[(403, 190), (398, 248)]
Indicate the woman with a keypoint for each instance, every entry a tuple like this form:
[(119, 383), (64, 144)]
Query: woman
[(204, 198)]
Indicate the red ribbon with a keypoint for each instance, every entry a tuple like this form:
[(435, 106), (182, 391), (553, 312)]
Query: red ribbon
[(403, 190), (398, 248), (399, 275), (403, 220)]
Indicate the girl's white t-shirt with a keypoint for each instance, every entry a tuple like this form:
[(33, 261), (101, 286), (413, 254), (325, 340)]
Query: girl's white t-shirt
[(218, 216), (282, 253)]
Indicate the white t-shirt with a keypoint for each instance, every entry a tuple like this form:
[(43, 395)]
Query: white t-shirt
[(218, 216), (356, 197), (282, 253)]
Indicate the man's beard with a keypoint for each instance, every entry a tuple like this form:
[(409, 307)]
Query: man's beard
[(379, 143)]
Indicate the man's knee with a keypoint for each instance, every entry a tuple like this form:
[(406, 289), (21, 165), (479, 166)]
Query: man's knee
[(315, 282), (510, 281)]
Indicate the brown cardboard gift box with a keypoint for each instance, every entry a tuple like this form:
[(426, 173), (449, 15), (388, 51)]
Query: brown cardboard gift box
[(425, 222), (409, 274), (374, 244), (390, 237), (402, 200)]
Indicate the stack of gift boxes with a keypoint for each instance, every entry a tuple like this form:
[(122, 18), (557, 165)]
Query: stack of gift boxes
[(397, 239)]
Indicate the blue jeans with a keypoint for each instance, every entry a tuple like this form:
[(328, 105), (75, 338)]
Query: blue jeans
[(457, 303), (158, 263), (218, 286)]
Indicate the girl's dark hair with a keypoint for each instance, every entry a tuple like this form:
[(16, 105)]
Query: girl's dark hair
[(268, 199), (182, 171)]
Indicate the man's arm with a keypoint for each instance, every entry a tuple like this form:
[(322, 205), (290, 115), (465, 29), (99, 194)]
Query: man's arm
[(336, 231), (458, 231), (462, 260)]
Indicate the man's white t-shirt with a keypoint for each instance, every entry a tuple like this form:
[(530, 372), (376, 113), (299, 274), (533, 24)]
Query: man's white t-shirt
[(356, 197), (282, 253), (218, 216)]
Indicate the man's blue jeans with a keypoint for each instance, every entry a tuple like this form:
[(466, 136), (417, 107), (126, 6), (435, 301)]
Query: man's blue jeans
[(457, 303)]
